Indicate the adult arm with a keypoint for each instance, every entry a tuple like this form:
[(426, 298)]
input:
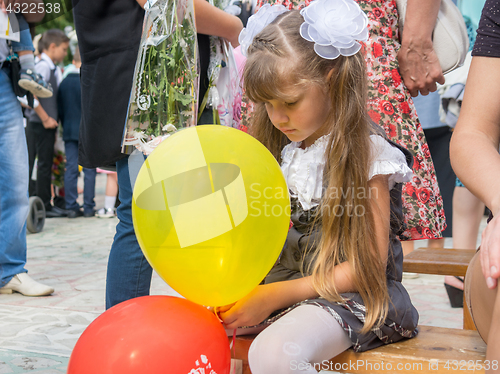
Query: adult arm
[(265, 299), (214, 21), (418, 62), (30, 17), (474, 152), (211, 20)]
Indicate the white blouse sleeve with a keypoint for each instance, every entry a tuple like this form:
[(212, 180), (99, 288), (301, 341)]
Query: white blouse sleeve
[(388, 160)]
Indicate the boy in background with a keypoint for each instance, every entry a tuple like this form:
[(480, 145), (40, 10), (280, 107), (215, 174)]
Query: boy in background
[(43, 120), (69, 105)]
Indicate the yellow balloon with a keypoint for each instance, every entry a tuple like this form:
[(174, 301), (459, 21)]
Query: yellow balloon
[(211, 212)]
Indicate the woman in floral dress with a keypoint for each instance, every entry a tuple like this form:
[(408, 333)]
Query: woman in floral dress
[(389, 99)]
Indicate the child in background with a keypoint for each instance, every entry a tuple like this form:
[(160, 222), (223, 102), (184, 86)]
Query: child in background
[(29, 79), (43, 120), (338, 281), (109, 210), (69, 105)]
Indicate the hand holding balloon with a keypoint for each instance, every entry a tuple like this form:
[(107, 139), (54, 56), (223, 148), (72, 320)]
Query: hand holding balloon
[(251, 309), (265, 299)]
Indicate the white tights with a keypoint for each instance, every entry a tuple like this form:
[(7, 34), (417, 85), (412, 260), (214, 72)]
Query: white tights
[(292, 344)]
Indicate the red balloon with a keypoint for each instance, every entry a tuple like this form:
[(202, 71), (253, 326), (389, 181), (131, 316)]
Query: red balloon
[(153, 334)]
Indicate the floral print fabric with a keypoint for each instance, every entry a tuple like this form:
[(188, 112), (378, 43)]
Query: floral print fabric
[(390, 105)]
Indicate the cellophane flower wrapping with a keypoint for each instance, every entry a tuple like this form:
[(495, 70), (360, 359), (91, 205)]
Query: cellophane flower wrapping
[(224, 94), (164, 95)]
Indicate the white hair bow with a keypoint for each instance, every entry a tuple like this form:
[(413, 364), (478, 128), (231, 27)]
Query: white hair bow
[(334, 26)]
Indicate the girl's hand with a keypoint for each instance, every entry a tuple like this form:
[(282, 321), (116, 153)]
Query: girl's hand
[(250, 310), (490, 252)]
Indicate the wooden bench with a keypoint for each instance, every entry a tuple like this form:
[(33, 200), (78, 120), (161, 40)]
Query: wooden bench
[(434, 350), (446, 261)]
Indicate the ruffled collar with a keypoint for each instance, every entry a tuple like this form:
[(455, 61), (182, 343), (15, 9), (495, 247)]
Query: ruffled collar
[(303, 170)]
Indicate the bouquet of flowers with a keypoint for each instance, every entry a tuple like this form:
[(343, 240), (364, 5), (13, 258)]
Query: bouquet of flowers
[(58, 167), (164, 91)]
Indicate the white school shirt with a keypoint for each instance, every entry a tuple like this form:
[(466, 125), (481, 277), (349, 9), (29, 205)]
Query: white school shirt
[(44, 69)]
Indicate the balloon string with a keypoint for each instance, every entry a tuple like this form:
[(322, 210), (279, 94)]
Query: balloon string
[(217, 314), (232, 345), (233, 340)]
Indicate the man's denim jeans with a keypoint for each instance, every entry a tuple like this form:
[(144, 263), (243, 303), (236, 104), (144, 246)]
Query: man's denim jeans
[(13, 183), (129, 273)]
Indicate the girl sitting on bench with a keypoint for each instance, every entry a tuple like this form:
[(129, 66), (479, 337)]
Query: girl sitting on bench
[(338, 281)]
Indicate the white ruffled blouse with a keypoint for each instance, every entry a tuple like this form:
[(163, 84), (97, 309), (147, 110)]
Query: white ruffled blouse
[(303, 168)]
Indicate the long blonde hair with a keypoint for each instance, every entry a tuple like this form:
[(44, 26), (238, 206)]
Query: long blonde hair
[(344, 237)]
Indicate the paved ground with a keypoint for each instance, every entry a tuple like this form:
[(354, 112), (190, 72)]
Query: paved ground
[(38, 334)]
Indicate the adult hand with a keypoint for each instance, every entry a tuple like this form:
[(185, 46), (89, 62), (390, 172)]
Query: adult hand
[(418, 63), (49, 123), (419, 67), (490, 252), (250, 310)]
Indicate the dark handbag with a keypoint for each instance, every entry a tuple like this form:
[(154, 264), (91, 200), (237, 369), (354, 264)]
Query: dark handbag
[(15, 74)]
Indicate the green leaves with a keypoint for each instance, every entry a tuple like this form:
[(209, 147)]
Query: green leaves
[(166, 73), (184, 99)]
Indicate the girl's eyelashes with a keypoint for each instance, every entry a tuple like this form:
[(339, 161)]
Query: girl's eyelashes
[(290, 103)]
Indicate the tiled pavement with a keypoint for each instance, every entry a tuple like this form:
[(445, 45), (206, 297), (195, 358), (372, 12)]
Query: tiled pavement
[(38, 334)]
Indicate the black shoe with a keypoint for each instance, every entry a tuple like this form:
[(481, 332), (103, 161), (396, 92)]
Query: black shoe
[(89, 213), (75, 213), (455, 295), (55, 212)]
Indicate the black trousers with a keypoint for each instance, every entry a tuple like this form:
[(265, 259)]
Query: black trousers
[(438, 140), (41, 144)]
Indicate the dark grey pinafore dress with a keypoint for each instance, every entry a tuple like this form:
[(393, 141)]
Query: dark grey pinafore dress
[(402, 319)]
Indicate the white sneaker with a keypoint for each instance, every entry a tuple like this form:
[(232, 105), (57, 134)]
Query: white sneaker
[(25, 285), (106, 213)]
